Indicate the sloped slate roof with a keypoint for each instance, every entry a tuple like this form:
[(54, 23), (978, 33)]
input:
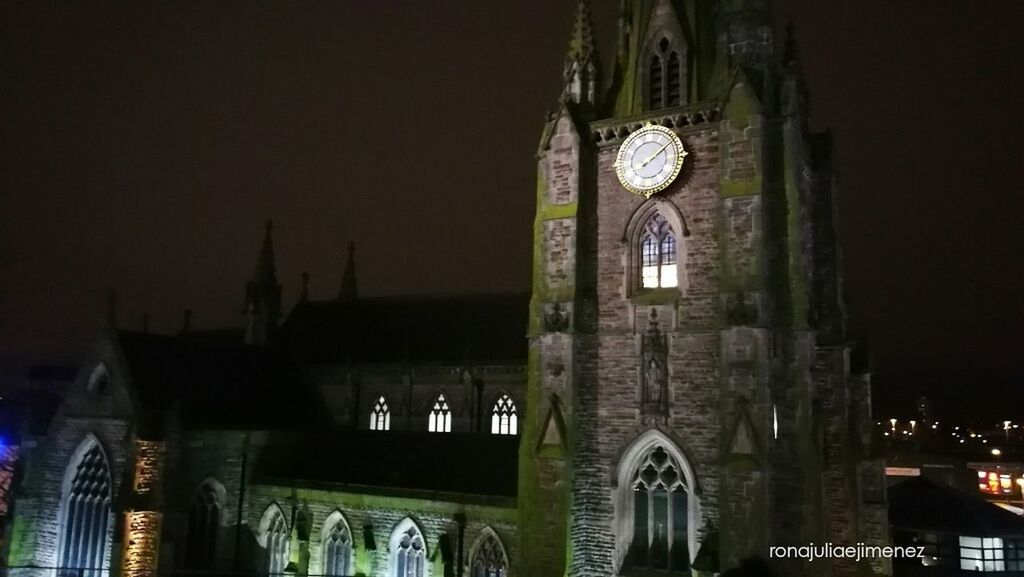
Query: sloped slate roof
[(217, 384), (922, 505), (446, 329), (459, 463)]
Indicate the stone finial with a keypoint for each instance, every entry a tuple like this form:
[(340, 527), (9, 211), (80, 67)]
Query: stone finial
[(581, 65), (581, 43), (263, 294), (266, 271), (789, 51), (349, 289)]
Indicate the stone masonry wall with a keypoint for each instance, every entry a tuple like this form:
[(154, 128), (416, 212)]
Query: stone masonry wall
[(383, 515), (608, 414)]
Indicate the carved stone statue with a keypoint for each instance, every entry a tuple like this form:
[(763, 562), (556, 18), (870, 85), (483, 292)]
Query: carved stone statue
[(654, 363)]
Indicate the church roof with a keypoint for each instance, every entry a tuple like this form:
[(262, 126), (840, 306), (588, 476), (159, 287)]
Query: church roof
[(390, 461), (459, 329), (216, 383), (922, 505)]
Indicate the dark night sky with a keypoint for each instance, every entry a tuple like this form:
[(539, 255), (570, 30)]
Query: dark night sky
[(142, 145)]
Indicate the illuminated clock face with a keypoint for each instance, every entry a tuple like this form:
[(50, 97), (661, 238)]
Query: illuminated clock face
[(649, 160)]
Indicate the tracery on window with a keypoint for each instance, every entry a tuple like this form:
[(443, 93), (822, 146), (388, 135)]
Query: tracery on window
[(203, 527), (658, 250), (440, 419), (664, 76), (277, 542), (504, 419), (86, 513), (380, 417), (488, 557), (409, 554), (338, 551), (660, 515)]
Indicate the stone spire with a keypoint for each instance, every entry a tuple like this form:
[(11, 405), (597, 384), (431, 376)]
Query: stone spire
[(349, 289), (581, 62), (263, 295)]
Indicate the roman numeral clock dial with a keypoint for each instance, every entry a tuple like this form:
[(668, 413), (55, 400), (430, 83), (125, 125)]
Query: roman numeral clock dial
[(649, 160)]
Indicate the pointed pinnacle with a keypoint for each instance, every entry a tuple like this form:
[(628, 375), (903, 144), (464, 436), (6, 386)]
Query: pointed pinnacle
[(265, 269), (349, 289), (581, 44)]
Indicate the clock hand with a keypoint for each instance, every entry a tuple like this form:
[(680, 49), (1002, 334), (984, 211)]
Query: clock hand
[(655, 155)]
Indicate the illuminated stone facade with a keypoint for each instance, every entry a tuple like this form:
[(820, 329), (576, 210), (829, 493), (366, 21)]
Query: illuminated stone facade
[(654, 431)]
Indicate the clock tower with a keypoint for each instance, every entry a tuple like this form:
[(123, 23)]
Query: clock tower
[(693, 393)]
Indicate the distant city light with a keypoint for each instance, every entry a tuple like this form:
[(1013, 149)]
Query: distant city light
[(996, 452)]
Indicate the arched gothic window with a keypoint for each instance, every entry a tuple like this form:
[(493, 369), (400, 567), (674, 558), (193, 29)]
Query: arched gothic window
[(660, 515), (409, 552), (277, 541), (86, 511), (440, 419), (380, 418), (337, 553), (664, 77), (203, 528), (658, 250), (488, 557), (504, 420)]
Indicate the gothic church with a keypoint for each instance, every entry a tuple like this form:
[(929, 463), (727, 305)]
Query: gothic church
[(677, 394)]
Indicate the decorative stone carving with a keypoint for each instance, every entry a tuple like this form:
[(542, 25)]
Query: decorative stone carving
[(739, 312), (555, 319), (654, 368)]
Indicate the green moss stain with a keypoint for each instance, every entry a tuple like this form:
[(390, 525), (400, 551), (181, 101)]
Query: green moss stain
[(736, 188), (797, 282)]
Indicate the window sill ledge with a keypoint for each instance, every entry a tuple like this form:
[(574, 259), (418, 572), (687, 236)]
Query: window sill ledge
[(656, 297)]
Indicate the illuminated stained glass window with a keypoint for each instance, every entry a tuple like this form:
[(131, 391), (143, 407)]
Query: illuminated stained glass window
[(660, 516), (664, 77), (410, 554), (87, 514), (277, 543), (488, 558), (203, 525), (440, 419), (658, 262), (338, 551), (504, 420), (380, 417)]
